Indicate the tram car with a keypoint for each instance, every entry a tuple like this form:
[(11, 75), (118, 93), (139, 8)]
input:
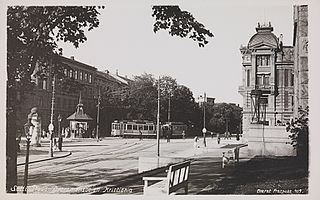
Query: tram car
[(147, 129)]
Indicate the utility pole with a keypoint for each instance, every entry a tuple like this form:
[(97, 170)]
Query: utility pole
[(158, 121), (98, 114), (51, 126)]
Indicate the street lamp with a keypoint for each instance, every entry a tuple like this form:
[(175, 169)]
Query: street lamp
[(204, 131), (59, 132), (28, 137), (51, 128)]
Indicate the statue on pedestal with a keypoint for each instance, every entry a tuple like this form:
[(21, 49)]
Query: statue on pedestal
[(35, 129)]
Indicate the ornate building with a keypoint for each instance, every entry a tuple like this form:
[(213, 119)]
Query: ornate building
[(267, 90)]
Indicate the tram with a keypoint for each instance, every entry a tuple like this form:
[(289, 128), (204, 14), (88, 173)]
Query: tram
[(145, 128)]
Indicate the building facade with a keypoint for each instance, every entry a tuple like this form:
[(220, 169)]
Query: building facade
[(65, 102), (267, 91), (300, 45)]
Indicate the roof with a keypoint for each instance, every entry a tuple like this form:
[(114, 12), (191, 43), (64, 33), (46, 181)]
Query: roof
[(120, 79), (77, 63), (264, 35), (79, 117)]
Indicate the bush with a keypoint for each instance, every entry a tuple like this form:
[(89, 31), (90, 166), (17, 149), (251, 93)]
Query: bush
[(300, 134)]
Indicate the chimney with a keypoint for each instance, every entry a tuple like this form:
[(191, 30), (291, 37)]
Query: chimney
[(72, 57)]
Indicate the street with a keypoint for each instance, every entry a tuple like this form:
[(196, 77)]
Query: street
[(92, 163)]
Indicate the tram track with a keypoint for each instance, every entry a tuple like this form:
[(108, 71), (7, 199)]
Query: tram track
[(87, 159)]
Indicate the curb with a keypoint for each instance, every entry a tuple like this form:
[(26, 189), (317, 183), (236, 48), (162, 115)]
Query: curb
[(46, 159)]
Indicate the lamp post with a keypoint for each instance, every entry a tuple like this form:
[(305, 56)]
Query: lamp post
[(51, 126), (59, 133), (204, 130), (28, 137), (98, 114)]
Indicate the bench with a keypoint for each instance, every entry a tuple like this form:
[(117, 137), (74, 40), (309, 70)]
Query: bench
[(232, 155), (177, 177)]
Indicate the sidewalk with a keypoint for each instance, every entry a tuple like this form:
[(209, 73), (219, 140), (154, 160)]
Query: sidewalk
[(205, 170), (39, 154)]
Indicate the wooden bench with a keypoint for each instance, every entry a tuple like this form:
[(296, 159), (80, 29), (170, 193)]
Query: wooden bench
[(177, 177)]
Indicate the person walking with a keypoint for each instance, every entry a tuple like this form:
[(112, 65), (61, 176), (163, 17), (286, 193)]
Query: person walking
[(140, 134), (183, 135), (218, 138), (195, 142)]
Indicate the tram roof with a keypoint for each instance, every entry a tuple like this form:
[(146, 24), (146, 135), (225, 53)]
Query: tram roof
[(134, 121)]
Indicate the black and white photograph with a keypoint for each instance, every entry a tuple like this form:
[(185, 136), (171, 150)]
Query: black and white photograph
[(134, 99)]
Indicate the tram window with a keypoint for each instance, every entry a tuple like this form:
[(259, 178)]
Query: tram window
[(151, 128), (140, 127), (134, 127), (145, 127), (129, 127)]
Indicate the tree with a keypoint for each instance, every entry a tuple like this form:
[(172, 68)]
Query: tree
[(180, 23), (32, 52), (300, 134), (220, 113)]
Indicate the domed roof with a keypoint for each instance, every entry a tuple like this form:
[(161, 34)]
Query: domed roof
[(264, 35)]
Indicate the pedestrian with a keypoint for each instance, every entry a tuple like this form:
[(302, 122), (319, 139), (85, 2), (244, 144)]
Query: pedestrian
[(55, 143), (93, 133), (195, 142), (183, 134), (218, 138), (140, 134), (169, 134)]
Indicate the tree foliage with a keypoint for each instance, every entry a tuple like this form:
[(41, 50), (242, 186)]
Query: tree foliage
[(32, 52), (33, 33), (180, 23), (300, 133), (139, 101), (220, 113)]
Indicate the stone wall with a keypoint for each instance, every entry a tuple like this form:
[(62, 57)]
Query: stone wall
[(268, 140)]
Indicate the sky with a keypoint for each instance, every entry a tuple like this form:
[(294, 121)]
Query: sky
[(125, 41)]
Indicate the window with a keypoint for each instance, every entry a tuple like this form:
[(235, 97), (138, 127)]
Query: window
[(248, 78), (286, 77), (58, 102), (70, 73), (263, 60), (292, 79), (145, 127), (129, 127), (266, 80), (76, 74), (65, 72), (80, 75), (90, 78), (151, 128), (85, 76), (134, 127), (44, 84), (259, 80), (286, 100), (278, 77)]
